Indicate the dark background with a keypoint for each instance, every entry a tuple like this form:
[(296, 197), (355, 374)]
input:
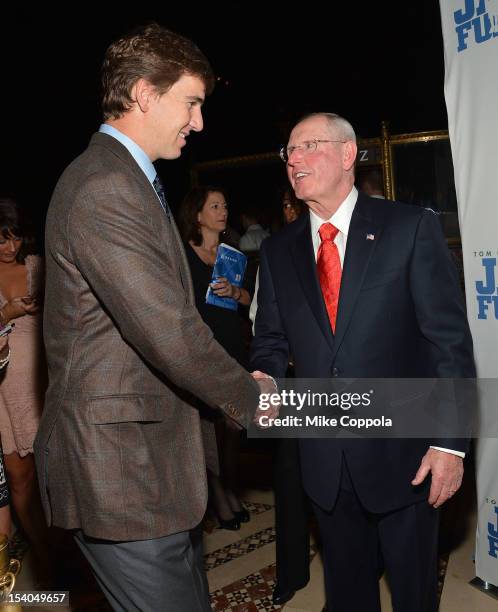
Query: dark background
[(366, 61)]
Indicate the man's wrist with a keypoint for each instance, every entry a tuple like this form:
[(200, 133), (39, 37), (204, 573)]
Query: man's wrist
[(450, 451)]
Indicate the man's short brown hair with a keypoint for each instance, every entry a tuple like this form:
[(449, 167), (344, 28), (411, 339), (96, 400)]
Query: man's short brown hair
[(153, 53)]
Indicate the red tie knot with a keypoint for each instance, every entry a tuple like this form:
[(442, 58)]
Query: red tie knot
[(328, 231)]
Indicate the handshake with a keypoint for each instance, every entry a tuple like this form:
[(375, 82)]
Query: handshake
[(268, 386)]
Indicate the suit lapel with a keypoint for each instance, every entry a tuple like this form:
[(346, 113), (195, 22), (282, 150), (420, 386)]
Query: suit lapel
[(184, 268), (172, 242), (364, 233), (304, 262)]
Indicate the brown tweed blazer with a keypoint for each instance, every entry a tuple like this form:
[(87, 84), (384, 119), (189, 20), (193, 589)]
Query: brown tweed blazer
[(119, 451)]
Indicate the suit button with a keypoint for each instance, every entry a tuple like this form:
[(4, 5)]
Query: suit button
[(335, 372), (233, 410)]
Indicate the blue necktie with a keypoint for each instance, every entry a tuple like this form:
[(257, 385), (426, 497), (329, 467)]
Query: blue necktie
[(158, 186)]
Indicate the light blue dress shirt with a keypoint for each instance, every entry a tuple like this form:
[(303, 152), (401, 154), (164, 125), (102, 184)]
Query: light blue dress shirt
[(138, 154)]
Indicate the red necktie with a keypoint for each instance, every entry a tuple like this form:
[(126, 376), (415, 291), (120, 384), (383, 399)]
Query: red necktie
[(329, 270)]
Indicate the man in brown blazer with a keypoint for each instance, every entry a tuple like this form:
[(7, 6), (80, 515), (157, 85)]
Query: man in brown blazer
[(119, 450)]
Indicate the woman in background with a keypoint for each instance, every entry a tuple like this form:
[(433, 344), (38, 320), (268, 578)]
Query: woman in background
[(22, 385), (203, 219)]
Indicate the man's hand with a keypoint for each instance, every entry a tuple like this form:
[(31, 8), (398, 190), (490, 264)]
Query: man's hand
[(447, 474), (268, 387)]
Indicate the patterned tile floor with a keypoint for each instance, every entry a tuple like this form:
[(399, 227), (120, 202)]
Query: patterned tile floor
[(252, 593), (238, 549), (247, 595)]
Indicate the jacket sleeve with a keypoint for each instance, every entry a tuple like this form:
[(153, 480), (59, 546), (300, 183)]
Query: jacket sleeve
[(442, 321), (137, 281)]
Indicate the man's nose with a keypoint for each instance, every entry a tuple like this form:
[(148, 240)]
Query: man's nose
[(295, 155), (196, 121)]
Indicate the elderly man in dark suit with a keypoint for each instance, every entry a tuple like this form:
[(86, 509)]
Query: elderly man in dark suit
[(119, 450), (363, 288)]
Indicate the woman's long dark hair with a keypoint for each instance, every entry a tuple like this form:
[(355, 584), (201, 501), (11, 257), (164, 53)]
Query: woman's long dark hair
[(191, 206), (14, 223)]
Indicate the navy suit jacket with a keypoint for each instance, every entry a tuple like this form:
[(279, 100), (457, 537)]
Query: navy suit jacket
[(400, 315)]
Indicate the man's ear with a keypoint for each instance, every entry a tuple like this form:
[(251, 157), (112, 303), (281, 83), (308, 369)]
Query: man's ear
[(143, 93), (349, 155)]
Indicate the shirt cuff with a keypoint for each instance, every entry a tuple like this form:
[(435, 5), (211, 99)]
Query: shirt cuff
[(450, 451), (273, 381)]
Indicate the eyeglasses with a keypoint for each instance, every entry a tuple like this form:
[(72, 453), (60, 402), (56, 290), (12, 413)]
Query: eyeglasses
[(306, 147)]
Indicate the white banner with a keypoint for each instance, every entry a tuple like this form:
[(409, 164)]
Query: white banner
[(470, 32)]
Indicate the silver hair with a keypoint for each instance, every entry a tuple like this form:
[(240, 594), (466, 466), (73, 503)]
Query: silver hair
[(341, 127)]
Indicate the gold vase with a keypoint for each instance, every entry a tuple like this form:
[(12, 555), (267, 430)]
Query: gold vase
[(9, 568)]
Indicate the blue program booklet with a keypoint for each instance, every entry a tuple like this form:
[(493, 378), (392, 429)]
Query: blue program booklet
[(231, 264)]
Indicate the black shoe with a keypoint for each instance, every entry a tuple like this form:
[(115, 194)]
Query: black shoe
[(242, 516), (280, 597), (232, 524)]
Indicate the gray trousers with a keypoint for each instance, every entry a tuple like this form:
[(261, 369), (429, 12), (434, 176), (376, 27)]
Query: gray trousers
[(160, 575)]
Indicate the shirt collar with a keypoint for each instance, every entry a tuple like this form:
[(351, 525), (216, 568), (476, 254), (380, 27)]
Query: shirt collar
[(138, 154), (341, 218)]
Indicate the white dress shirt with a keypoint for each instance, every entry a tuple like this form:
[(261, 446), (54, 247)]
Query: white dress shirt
[(340, 219)]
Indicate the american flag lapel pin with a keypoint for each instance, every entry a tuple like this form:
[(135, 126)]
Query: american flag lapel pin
[(370, 237)]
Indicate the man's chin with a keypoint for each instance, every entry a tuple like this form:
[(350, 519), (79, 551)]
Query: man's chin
[(179, 146), (300, 192), (172, 154)]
